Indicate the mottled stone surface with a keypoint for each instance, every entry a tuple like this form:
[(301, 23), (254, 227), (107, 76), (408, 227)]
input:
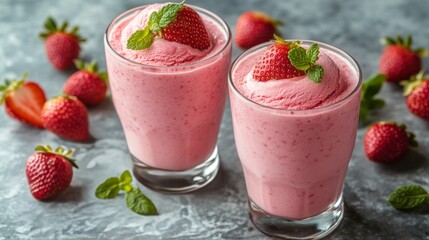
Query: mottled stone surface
[(220, 210)]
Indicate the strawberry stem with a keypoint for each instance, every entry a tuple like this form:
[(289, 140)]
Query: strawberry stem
[(63, 152), (413, 82), (51, 27)]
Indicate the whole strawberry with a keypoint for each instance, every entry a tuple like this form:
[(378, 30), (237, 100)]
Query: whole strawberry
[(87, 84), (283, 60), (398, 61), (253, 28), (174, 22), (23, 100), (416, 91), (61, 46), (49, 172), (386, 142), (67, 117)]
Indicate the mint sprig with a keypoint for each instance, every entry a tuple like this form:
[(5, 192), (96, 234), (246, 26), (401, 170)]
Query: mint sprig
[(143, 39), (368, 101), (134, 198), (409, 198), (305, 60)]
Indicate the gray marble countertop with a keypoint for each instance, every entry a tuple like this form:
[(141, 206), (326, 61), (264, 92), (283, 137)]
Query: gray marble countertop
[(218, 211)]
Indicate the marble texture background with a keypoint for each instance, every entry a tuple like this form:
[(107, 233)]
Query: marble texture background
[(219, 211)]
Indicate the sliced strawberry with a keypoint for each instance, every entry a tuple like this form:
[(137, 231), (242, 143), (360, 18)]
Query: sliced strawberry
[(275, 64), (188, 28), (285, 59), (24, 101), (173, 22)]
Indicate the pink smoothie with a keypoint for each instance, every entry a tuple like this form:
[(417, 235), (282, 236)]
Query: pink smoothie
[(169, 97), (295, 137)]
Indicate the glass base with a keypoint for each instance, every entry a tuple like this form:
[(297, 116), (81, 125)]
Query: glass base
[(315, 227), (169, 181)]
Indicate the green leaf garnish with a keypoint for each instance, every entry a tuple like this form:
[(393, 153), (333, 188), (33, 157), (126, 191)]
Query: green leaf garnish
[(298, 58), (139, 203), (370, 88), (108, 189), (168, 13), (135, 199), (313, 53), (315, 73), (305, 60), (408, 198), (143, 39)]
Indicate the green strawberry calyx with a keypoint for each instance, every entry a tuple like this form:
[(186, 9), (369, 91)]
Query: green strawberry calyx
[(52, 27), (413, 82), (406, 42), (61, 151), (158, 20), (9, 86), (302, 59), (91, 67)]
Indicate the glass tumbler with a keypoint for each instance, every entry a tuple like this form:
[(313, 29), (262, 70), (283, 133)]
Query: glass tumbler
[(295, 161), (171, 114)]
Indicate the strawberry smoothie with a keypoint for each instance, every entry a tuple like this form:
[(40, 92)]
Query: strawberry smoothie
[(295, 137), (169, 97)]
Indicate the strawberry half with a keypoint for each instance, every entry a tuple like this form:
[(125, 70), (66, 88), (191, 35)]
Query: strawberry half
[(23, 100), (61, 46), (253, 28), (284, 60), (67, 117), (88, 84), (416, 91), (398, 61), (175, 23), (49, 172), (386, 142)]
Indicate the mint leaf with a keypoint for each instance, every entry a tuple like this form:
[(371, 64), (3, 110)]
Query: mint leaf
[(141, 39), (373, 85), (363, 112), (108, 189), (126, 180), (313, 53), (298, 58), (370, 88), (375, 103), (153, 22), (139, 203), (411, 197), (315, 73), (168, 13), (126, 177)]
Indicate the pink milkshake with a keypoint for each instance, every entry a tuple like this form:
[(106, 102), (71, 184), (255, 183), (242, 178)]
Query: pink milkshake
[(295, 138), (170, 99)]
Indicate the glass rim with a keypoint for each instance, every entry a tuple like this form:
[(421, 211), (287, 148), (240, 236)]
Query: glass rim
[(215, 17), (337, 51)]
